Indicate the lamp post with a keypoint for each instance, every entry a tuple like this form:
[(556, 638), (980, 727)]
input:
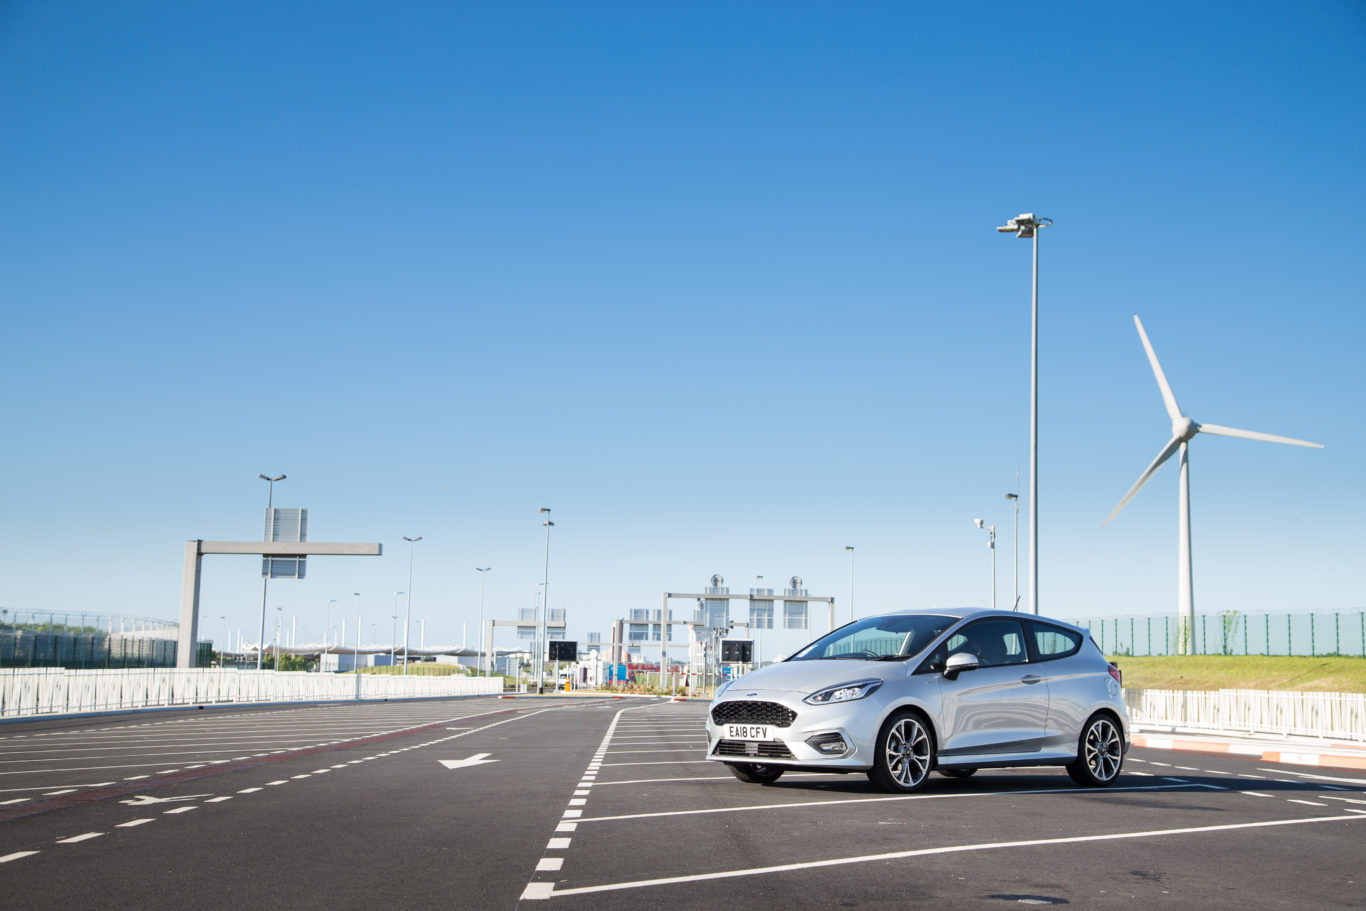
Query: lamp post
[(265, 575), (1027, 225), (408, 613), (1015, 501), (355, 658), (545, 604), (483, 661), (227, 640), (327, 630), (991, 543), (393, 631), (279, 619), (850, 548)]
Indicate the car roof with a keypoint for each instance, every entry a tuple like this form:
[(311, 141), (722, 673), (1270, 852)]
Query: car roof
[(973, 613)]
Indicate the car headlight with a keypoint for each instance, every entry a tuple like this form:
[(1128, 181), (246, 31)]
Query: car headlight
[(844, 692)]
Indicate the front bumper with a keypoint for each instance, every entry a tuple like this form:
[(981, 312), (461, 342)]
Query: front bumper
[(794, 744)]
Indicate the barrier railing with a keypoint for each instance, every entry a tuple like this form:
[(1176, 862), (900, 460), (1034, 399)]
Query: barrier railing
[(48, 691), (1330, 715)]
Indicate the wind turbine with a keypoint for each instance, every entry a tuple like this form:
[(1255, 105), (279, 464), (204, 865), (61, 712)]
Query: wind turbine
[(1183, 431)]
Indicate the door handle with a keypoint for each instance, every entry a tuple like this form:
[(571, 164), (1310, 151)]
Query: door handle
[(1031, 678)]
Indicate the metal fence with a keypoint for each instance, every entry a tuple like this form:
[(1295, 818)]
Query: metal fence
[(46, 691), (87, 640), (1311, 633), (1329, 715)]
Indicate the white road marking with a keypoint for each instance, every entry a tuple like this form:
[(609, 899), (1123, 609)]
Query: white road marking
[(1186, 768), (557, 844), (967, 795), (1254, 793), (78, 838), (179, 810), (133, 822), (218, 799), (566, 827), (59, 793), (249, 790), (549, 864), (540, 891), (16, 856), (1308, 803), (5, 803), (1360, 782), (1343, 799)]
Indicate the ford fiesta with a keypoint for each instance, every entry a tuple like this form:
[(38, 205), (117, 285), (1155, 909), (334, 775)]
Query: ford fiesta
[(900, 695)]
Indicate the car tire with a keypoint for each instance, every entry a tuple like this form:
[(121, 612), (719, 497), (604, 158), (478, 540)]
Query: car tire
[(754, 773), (904, 753), (1100, 753), (957, 773)]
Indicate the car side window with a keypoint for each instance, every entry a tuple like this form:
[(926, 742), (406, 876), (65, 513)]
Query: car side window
[(1054, 642), (994, 642)]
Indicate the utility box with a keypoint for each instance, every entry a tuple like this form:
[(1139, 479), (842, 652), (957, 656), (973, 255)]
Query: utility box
[(737, 651)]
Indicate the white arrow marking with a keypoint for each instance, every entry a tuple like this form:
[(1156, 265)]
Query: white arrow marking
[(476, 759), (142, 800)]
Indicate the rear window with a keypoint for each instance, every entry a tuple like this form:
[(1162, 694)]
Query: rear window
[(1054, 641)]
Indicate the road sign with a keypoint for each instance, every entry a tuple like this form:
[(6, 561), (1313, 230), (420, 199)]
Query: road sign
[(737, 651), (563, 650)]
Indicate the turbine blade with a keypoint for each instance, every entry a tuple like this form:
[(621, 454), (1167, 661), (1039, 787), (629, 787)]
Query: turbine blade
[(1219, 431), (1173, 410), (1167, 452)]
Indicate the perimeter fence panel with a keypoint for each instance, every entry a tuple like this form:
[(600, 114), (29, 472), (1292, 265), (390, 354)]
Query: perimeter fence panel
[(1301, 633), (44, 691)]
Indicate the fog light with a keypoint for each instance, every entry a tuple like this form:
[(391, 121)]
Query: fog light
[(828, 744)]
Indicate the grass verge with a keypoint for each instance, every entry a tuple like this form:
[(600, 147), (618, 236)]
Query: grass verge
[(1244, 672)]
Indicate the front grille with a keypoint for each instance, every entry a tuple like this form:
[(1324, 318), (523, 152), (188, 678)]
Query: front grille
[(780, 716), (766, 749)]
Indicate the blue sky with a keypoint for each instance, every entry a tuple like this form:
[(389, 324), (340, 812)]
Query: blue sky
[(719, 283)]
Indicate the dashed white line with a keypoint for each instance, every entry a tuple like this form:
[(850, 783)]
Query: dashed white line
[(179, 810), (1308, 803), (132, 823), (549, 864), (557, 844), (79, 838), (16, 856)]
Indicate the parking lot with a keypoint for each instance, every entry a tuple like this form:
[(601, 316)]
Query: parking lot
[(563, 802), (651, 821)]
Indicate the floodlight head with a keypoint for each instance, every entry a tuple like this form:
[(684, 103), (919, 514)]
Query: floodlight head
[(547, 523), (977, 522), (1012, 496), (545, 509), (418, 538), (848, 547)]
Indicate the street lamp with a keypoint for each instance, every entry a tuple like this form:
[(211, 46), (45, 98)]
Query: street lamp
[(227, 637), (408, 613), (1027, 225), (991, 543), (265, 574), (279, 619), (483, 662), (393, 631), (1015, 501), (545, 605), (355, 658), (851, 581)]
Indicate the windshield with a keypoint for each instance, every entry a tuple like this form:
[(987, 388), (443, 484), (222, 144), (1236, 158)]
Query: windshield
[(878, 638)]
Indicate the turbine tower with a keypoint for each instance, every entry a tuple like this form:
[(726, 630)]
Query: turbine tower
[(1183, 431)]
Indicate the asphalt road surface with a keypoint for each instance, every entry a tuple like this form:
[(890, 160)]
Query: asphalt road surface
[(577, 803)]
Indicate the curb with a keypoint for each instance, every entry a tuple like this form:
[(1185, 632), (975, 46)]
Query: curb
[(1322, 760)]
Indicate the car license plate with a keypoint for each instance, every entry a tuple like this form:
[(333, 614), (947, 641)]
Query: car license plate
[(748, 732)]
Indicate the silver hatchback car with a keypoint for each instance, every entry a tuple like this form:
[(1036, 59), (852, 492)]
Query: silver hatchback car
[(899, 695)]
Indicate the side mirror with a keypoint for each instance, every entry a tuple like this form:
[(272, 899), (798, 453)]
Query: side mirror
[(959, 662)]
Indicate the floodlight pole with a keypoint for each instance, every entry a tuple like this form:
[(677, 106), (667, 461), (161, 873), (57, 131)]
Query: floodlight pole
[(483, 662), (1027, 225), (265, 576), (545, 605), (408, 612)]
